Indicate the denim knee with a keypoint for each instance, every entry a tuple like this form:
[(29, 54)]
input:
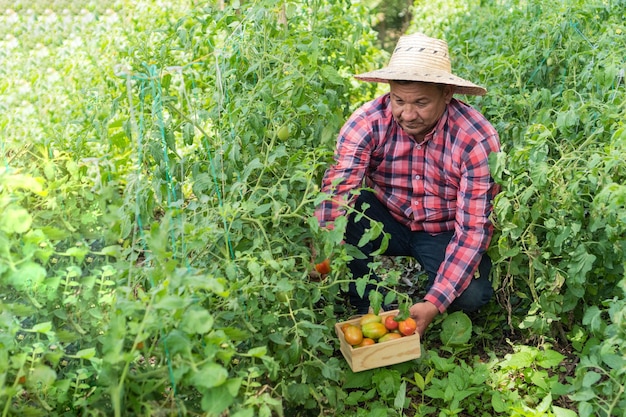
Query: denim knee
[(476, 295)]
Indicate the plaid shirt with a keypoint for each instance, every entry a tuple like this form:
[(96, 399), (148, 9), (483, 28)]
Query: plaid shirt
[(442, 184)]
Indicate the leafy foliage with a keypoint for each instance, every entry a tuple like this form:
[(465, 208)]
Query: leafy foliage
[(159, 170)]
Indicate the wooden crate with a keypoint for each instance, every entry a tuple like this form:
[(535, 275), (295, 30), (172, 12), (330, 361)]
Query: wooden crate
[(380, 354)]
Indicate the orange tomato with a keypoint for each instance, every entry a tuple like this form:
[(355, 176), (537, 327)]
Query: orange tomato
[(390, 323), (407, 327), (366, 342), (353, 335), (323, 267), (389, 336)]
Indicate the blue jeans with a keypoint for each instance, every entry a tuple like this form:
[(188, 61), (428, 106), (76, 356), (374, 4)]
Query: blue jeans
[(429, 250)]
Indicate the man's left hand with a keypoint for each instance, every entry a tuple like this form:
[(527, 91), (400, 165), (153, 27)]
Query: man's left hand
[(423, 313)]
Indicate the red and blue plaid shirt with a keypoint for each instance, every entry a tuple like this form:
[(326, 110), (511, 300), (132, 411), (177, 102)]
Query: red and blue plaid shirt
[(442, 184)]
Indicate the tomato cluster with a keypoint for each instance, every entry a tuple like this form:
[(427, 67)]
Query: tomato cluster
[(373, 328)]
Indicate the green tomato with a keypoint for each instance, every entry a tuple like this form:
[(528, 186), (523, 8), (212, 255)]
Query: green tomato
[(283, 132), (283, 296)]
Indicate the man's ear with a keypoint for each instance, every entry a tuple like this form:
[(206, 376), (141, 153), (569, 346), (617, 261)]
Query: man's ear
[(448, 92)]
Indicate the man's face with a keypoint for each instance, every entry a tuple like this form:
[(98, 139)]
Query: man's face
[(417, 107)]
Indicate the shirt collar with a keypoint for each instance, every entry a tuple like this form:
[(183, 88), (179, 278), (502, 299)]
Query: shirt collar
[(439, 126)]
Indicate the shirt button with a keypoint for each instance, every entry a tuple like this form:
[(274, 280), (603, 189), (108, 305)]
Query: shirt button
[(418, 146), (417, 177), (417, 203)]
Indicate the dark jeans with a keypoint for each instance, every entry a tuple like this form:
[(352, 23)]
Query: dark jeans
[(429, 250)]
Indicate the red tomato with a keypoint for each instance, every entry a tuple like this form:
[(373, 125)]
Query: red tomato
[(390, 323), (323, 267)]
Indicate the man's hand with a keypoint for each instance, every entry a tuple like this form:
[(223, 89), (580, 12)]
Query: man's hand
[(423, 313)]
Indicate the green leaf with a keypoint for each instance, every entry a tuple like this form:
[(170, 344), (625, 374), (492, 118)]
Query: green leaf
[(298, 393), (358, 379), (28, 276), (371, 234), (43, 375), (442, 364), (77, 253), (419, 381), (361, 283), (376, 299), (15, 219), (518, 360), (26, 182), (499, 406), (583, 395), (613, 361), (257, 352), (497, 165), (400, 398), (86, 353), (563, 412), (210, 375), (331, 75), (581, 264), (218, 399), (593, 319), (197, 320), (549, 358), (591, 378), (177, 342), (331, 370), (456, 329), (42, 327)]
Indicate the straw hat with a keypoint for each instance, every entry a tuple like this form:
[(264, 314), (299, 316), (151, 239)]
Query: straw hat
[(420, 58)]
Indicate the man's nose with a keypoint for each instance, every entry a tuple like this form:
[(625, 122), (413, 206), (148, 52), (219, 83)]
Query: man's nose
[(410, 113)]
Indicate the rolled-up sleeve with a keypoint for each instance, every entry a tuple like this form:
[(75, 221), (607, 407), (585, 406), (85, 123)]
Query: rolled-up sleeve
[(473, 227)]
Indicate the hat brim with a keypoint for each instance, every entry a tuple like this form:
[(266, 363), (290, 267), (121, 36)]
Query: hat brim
[(384, 75)]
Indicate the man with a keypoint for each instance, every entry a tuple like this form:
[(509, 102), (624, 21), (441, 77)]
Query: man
[(424, 155)]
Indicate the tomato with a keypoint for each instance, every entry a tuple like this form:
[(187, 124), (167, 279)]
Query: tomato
[(323, 267), (370, 318), (283, 296), (407, 327), (374, 330), (366, 342), (353, 335), (389, 336), (390, 323), (283, 132)]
